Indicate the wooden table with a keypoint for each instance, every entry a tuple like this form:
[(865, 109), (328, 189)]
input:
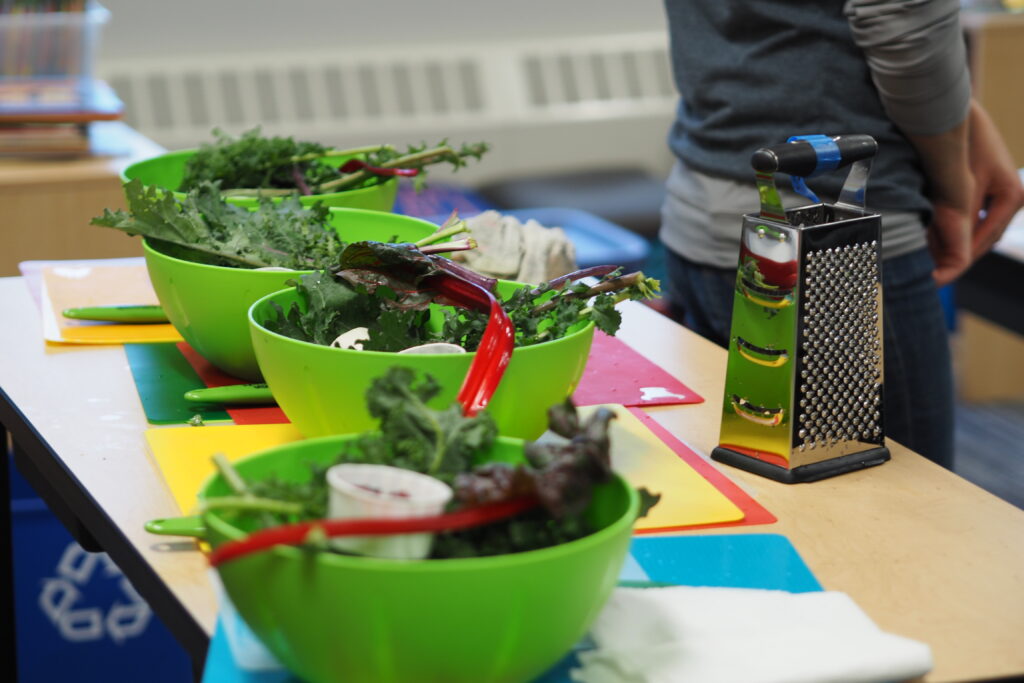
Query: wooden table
[(46, 204), (926, 554)]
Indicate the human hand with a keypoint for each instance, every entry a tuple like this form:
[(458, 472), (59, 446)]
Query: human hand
[(949, 241), (998, 193), (945, 158)]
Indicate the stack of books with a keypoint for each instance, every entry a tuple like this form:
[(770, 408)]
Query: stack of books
[(48, 97), (51, 118)]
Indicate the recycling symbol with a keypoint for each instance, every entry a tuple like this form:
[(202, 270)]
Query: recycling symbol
[(61, 596)]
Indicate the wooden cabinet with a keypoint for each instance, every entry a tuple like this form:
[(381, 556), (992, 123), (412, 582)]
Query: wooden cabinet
[(46, 204), (989, 359), (995, 42)]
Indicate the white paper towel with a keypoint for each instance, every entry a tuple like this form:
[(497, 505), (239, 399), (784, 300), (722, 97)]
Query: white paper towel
[(734, 635)]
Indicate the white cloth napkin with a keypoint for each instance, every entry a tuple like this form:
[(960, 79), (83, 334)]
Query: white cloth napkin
[(525, 252), (735, 635)]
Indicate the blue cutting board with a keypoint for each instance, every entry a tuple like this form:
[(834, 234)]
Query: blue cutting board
[(766, 561)]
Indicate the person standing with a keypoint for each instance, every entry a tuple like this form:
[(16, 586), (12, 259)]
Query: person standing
[(752, 73)]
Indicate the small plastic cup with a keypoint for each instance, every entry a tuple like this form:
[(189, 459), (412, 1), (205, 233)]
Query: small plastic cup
[(367, 491), (435, 348)]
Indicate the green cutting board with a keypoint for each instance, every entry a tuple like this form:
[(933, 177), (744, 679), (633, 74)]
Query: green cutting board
[(162, 376)]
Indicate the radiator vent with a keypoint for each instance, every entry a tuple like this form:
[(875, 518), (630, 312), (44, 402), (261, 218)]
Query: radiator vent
[(402, 94), (595, 77)]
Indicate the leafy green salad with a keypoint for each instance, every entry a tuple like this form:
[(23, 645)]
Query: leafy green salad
[(209, 230), (380, 287), (561, 473), (383, 287), (256, 165)]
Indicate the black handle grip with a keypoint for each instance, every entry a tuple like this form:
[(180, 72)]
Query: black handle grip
[(799, 158)]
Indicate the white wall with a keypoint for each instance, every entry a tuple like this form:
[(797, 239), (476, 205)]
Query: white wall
[(145, 27), (190, 36)]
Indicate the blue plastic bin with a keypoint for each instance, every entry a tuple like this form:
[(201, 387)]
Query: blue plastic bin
[(598, 241), (78, 619)]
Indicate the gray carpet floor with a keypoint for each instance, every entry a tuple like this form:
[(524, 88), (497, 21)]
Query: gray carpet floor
[(990, 447)]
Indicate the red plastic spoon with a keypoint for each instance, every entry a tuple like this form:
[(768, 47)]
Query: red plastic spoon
[(297, 534), (495, 350)]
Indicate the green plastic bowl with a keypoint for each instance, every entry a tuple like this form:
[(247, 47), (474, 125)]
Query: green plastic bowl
[(208, 304), (506, 618), (322, 389), (167, 170)]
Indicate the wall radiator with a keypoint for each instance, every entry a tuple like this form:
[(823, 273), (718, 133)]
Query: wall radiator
[(581, 102)]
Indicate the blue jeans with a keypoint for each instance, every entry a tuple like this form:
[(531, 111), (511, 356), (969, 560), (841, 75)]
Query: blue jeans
[(918, 390)]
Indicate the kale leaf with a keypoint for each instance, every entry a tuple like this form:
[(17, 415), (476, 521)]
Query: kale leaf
[(441, 443), (205, 228), (252, 160), (446, 444), (561, 474), (253, 164), (545, 313), (394, 277), (333, 306)]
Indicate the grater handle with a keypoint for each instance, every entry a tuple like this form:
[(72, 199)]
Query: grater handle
[(808, 156)]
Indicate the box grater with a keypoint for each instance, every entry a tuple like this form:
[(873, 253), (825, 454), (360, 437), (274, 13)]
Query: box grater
[(803, 390)]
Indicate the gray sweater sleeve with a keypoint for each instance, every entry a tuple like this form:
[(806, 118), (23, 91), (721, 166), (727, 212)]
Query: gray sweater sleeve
[(918, 61)]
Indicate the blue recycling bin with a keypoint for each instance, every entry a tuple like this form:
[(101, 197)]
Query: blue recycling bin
[(77, 616)]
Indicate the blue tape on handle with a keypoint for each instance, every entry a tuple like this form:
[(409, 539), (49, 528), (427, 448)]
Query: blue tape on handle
[(825, 148), (827, 152), (800, 187)]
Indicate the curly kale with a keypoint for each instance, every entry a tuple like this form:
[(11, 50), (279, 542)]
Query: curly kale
[(256, 165), (205, 228), (356, 297), (252, 160), (447, 445)]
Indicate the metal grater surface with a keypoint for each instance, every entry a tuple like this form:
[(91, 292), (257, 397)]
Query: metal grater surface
[(804, 391), (839, 387)]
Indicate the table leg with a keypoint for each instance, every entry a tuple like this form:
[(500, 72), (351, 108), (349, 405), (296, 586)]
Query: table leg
[(53, 501), (9, 648), (88, 522)]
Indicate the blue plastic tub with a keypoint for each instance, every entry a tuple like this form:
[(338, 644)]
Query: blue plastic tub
[(598, 242)]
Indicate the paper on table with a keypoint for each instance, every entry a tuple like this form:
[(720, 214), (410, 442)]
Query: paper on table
[(32, 271), (1012, 241), (71, 286)]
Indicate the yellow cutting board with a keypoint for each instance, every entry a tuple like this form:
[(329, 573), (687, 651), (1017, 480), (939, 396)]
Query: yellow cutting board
[(687, 498), (76, 286), (184, 453)]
